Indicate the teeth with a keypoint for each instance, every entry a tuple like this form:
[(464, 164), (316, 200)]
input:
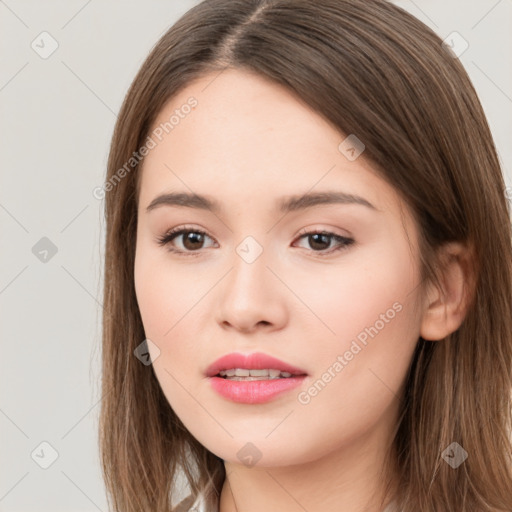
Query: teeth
[(258, 374)]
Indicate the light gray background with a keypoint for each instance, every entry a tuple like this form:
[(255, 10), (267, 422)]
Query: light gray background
[(57, 117)]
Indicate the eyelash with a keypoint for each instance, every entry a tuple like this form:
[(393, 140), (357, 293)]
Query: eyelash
[(170, 235)]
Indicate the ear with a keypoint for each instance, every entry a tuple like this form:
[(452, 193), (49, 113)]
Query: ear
[(445, 309)]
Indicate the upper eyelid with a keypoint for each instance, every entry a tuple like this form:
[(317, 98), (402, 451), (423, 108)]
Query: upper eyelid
[(304, 231)]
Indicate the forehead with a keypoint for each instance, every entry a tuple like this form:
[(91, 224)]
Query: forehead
[(241, 111), (250, 137)]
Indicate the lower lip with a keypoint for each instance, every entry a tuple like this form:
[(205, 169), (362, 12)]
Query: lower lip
[(254, 391)]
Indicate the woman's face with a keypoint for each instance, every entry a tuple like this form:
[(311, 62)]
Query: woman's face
[(252, 275)]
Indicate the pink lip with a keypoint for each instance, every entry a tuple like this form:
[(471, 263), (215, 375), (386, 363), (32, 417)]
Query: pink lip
[(253, 392)]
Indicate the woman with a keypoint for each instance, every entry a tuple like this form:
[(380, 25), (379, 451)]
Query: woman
[(308, 270)]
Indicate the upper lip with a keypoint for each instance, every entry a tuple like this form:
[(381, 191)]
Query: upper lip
[(254, 361)]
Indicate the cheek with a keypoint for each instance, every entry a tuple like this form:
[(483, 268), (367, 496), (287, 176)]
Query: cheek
[(165, 299), (343, 299), (165, 293), (369, 320), (358, 384), (169, 299)]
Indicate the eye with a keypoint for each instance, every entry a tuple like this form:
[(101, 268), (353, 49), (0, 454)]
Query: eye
[(320, 238), (194, 238), (192, 242)]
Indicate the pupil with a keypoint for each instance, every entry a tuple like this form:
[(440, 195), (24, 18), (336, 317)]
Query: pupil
[(316, 235), (193, 237)]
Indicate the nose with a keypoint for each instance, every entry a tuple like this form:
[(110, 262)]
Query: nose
[(251, 297)]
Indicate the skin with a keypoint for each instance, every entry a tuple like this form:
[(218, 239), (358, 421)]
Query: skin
[(247, 143)]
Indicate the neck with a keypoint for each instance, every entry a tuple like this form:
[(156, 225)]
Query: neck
[(351, 478)]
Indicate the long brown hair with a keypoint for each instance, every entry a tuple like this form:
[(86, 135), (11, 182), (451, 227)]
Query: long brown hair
[(374, 70)]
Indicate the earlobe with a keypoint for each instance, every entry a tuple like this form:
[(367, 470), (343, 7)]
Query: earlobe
[(446, 308)]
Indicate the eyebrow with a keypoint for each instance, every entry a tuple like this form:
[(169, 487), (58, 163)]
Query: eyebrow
[(286, 204)]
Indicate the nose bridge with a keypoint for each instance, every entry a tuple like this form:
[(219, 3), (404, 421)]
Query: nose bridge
[(250, 250), (249, 295), (249, 267)]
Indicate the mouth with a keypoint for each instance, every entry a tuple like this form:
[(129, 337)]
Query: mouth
[(245, 374), (251, 367), (234, 376)]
